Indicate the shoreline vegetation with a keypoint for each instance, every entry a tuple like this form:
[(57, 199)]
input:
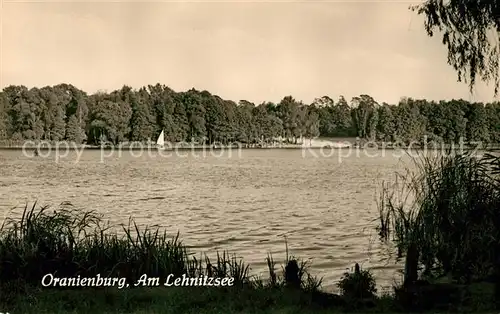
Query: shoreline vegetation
[(447, 231), (65, 113), (447, 235), (325, 144)]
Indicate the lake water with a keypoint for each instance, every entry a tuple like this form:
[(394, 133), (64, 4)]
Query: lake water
[(246, 203)]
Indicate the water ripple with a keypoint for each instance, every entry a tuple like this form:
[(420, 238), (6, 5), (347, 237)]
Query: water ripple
[(249, 206)]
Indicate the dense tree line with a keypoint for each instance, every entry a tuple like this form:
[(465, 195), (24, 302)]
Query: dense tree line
[(64, 112)]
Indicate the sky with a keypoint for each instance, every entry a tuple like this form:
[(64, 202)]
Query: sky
[(253, 50)]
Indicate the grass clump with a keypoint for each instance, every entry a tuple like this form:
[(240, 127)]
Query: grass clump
[(295, 274), (444, 218), (71, 243), (358, 285)]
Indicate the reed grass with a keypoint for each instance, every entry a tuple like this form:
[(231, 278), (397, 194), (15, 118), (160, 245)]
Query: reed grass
[(443, 216), (70, 243)]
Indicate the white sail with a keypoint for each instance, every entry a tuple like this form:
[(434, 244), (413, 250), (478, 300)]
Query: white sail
[(161, 139)]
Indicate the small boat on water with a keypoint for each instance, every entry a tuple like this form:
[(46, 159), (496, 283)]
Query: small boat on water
[(160, 142)]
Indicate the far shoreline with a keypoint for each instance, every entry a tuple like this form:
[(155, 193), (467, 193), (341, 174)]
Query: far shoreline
[(279, 147), (304, 144)]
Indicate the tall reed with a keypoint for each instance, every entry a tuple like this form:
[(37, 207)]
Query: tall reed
[(69, 242), (443, 215)]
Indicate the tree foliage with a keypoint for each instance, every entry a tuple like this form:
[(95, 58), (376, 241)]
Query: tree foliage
[(471, 31), (63, 112)]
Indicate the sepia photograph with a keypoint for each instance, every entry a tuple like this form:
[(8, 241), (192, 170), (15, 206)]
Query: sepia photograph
[(249, 156)]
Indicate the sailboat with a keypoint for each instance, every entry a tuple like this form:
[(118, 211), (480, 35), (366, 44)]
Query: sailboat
[(160, 142)]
